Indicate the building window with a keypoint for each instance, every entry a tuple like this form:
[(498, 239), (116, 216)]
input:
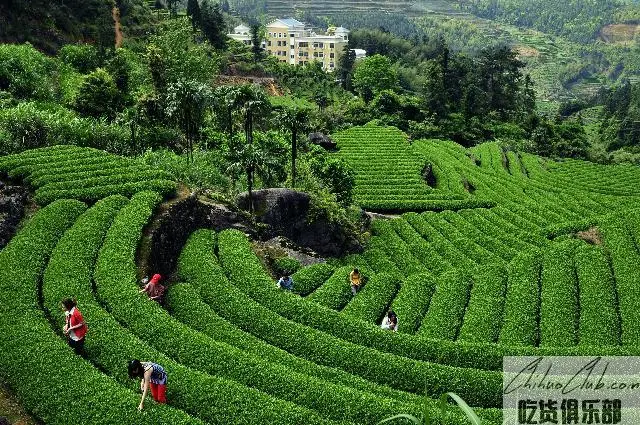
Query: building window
[(292, 35), (332, 55), (332, 45), (269, 43), (279, 35), (303, 44), (293, 56), (318, 45), (330, 64), (269, 34)]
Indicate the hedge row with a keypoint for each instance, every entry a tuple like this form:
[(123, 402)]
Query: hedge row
[(92, 194), (45, 156), (307, 279), (599, 322), (484, 315), (626, 269), (115, 279), (425, 252), (479, 388), (377, 260), (92, 181), (335, 293), (78, 172), (23, 167), (451, 253), (397, 250), (448, 304), (31, 353), (522, 304), (504, 251), (412, 301), (110, 345), (559, 311), (371, 303)]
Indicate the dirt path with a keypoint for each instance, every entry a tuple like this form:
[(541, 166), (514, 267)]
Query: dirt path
[(11, 409), (115, 12)]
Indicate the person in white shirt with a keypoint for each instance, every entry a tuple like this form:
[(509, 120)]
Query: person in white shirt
[(390, 321), (285, 283)]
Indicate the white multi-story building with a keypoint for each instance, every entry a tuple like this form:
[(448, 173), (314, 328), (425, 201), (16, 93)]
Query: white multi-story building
[(290, 41)]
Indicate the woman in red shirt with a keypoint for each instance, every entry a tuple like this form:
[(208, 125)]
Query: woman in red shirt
[(75, 328)]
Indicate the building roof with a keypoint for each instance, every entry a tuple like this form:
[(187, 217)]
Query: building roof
[(241, 29), (289, 22), (342, 29)]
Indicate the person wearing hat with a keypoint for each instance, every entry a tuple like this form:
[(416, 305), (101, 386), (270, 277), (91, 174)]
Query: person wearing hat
[(152, 375), (154, 289), (356, 280)]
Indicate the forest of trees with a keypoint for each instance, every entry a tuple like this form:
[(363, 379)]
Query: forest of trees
[(577, 20)]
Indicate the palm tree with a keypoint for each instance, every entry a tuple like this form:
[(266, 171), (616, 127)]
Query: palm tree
[(186, 103), (251, 159), (293, 118)]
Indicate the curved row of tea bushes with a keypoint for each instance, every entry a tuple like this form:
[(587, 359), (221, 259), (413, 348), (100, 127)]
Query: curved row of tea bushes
[(92, 194), (198, 265), (480, 388), (412, 301), (626, 270), (335, 293), (522, 303), (423, 251), (372, 301), (599, 321), (31, 352), (299, 395), (559, 310), (80, 171), (307, 279), (448, 304), (484, 315)]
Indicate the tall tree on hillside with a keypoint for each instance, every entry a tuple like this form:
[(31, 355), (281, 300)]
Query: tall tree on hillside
[(345, 65), (294, 119), (212, 24), (193, 11), (253, 103), (187, 102), (257, 35), (373, 75)]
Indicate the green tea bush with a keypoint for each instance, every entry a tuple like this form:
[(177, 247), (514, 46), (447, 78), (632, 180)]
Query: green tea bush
[(559, 297), (371, 303), (412, 301), (599, 324), (76, 384), (286, 265), (447, 308), (307, 279), (522, 304)]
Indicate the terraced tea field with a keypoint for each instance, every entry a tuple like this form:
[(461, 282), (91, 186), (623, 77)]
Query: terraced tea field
[(491, 259)]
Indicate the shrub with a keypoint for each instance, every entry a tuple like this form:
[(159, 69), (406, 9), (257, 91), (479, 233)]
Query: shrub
[(83, 57), (77, 384), (25, 72), (285, 265), (307, 279), (98, 96), (412, 301), (372, 301)]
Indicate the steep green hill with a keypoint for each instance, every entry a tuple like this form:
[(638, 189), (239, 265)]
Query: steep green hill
[(49, 25)]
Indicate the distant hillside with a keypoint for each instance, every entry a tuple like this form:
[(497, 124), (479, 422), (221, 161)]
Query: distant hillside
[(49, 25), (337, 7)]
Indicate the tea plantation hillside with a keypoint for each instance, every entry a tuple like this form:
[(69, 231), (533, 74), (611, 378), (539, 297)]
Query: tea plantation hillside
[(485, 253)]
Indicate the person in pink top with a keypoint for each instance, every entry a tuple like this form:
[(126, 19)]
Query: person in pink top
[(154, 289)]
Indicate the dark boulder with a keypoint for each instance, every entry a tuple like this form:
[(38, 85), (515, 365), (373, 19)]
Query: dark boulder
[(286, 213), (174, 226), (323, 141), (13, 200)]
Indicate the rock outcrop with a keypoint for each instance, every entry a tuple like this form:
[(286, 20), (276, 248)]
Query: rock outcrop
[(286, 213)]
